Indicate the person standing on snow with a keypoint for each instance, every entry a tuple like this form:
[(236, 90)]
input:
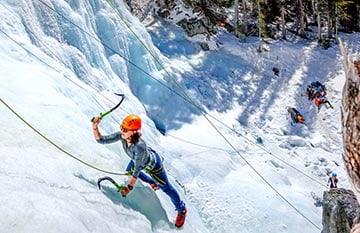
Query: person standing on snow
[(295, 115), (332, 181), (142, 158)]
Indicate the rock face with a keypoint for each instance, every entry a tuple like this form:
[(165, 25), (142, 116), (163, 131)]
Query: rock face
[(139, 8), (340, 211), (194, 17)]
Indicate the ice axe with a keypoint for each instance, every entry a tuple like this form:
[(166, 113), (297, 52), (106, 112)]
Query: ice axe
[(118, 187), (102, 115)]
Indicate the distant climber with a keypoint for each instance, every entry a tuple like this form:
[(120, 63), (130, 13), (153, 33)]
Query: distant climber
[(295, 115), (332, 181), (276, 71), (309, 92), (321, 99), (316, 88), (317, 91)]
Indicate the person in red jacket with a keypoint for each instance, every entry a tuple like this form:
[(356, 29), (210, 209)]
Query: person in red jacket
[(142, 158)]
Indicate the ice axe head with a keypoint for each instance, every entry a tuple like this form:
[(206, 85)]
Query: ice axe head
[(104, 178), (118, 187)]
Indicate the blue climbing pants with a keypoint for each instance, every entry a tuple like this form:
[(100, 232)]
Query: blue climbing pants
[(159, 176)]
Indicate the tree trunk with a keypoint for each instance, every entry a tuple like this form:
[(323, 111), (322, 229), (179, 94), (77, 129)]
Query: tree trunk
[(302, 17), (329, 19), (350, 120), (336, 20), (245, 17), (236, 23), (236, 8), (283, 29), (260, 25), (318, 18)]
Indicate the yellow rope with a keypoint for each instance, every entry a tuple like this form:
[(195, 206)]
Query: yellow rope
[(55, 145)]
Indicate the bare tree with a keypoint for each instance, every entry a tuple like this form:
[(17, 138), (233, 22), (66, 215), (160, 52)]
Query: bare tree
[(336, 20), (318, 18), (236, 8), (301, 18), (245, 16), (329, 13), (260, 24), (237, 26), (350, 121), (282, 11)]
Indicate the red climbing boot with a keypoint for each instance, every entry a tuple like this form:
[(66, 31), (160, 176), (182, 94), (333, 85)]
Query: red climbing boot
[(180, 219)]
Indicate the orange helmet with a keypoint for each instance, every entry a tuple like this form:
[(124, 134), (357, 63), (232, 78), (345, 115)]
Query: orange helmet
[(131, 122)]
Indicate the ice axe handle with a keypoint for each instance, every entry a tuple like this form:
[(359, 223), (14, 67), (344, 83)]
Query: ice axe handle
[(102, 115)]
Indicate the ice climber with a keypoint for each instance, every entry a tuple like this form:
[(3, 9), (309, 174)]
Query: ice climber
[(142, 158), (317, 91)]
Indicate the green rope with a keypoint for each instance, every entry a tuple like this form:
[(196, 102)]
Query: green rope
[(55, 145)]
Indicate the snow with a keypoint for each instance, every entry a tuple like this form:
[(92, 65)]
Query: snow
[(57, 73)]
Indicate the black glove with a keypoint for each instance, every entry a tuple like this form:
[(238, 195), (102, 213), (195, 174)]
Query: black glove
[(126, 190)]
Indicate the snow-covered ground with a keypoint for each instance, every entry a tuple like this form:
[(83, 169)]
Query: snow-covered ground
[(61, 62)]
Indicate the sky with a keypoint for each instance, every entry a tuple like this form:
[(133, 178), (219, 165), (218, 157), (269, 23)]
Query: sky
[(203, 111)]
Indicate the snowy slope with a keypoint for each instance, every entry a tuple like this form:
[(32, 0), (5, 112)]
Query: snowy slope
[(61, 61)]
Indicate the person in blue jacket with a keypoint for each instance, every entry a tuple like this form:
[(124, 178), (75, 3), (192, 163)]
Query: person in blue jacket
[(333, 181), (142, 158)]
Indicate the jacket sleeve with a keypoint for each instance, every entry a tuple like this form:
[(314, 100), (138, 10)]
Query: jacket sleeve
[(109, 138)]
